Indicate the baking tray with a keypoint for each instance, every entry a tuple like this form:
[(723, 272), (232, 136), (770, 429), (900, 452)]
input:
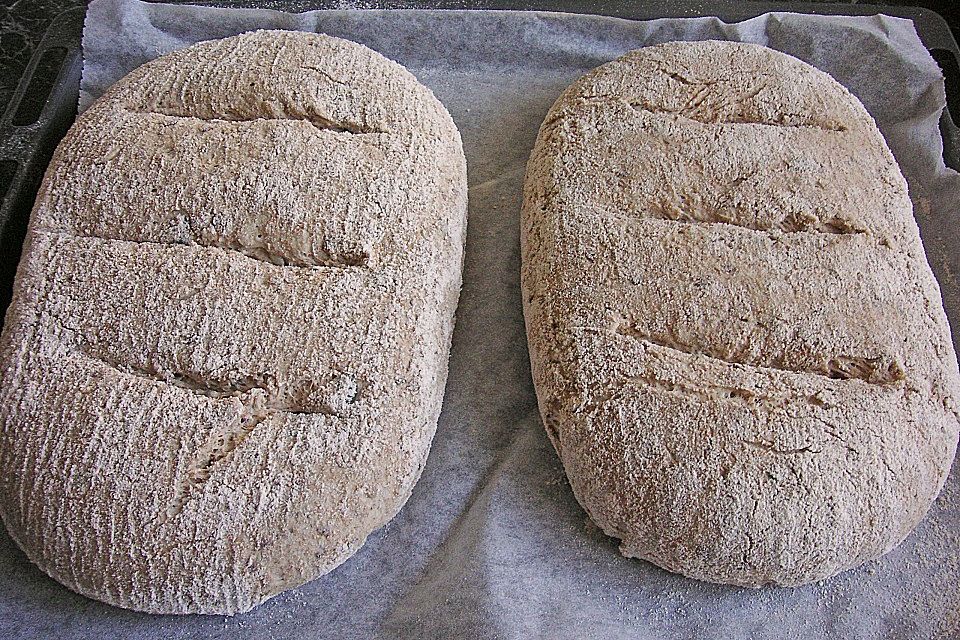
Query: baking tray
[(53, 115)]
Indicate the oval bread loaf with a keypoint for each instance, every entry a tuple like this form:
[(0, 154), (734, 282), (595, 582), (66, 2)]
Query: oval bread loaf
[(224, 361), (739, 350)]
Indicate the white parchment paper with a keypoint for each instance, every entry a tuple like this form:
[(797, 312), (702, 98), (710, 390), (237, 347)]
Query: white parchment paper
[(492, 543)]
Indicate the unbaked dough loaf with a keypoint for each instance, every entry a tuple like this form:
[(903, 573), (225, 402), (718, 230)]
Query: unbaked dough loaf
[(224, 361), (739, 350)]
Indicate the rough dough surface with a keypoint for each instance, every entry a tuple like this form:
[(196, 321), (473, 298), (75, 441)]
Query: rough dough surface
[(224, 361), (739, 350)]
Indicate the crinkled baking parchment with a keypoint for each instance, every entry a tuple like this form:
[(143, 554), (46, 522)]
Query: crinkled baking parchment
[(492, 543)]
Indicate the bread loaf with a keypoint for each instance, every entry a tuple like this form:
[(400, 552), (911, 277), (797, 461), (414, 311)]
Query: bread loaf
[(224, 361), (739, 349)]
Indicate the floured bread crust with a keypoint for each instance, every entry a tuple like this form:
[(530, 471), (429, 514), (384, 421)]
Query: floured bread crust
[(740, 352), (226, 352)]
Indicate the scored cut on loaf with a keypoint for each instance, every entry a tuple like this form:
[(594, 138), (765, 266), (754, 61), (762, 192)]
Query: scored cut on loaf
[(739, 350), (225, 357)]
